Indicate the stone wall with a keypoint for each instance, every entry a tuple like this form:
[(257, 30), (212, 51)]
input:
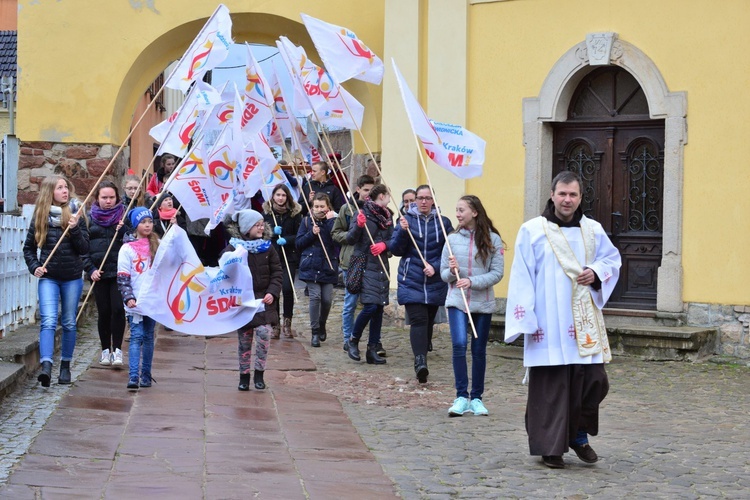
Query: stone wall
[(81, 163), (733, 323)]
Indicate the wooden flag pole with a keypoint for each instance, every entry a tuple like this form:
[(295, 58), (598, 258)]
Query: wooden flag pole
[(380, 172), (442, 226), (111, 243), (104, 172), (307, 204)]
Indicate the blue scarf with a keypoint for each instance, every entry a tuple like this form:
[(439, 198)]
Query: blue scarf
[(252, 246)]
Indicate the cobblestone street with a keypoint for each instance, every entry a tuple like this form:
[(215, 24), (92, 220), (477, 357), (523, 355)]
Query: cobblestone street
[(668, 430)]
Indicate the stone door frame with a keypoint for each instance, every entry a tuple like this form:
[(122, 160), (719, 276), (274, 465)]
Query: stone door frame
[(551, 105)]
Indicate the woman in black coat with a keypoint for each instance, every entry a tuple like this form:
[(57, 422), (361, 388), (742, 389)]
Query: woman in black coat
[(375, 284), (106, 225), (284, 215), (61, 279)]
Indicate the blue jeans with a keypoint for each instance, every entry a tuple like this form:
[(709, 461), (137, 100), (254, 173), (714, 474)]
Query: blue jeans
[(141, 341), (51, 294), (347, 314), (460, 331), (372, 313)]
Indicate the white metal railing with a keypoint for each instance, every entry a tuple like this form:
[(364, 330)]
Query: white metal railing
[(18, 288)]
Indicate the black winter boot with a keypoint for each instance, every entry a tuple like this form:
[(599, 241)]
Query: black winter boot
[(353, 350), (315, 340), (46, 374), (244, 382), (64, 377), (372, 356), (323, 335), (420, 368), (258, 380)]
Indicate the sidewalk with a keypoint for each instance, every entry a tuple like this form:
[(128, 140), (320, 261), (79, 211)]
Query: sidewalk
[(194, 435), (667, 429)]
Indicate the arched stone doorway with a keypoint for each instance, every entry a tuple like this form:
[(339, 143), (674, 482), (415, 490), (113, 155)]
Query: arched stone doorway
[(553, 106), (609, 140)]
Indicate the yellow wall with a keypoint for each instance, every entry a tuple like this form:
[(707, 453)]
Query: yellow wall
[(4, 123), (699, 46), (89, 95)]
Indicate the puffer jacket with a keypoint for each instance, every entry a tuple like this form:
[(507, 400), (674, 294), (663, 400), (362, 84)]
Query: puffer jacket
[(99, 239), (289, 222), (267, 276), (375, 283), (414, 287), (483, 275), (66, 263), (313, 265), (341, 230), (327, 187)]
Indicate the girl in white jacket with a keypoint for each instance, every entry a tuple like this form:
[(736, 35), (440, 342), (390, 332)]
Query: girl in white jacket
[(133, 261), (478, 261)]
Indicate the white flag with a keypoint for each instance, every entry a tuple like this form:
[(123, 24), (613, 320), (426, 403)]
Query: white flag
[(209, 48), (344, 55), (175, 132), (257, 98), (333, 104), (452, 147), (190, 183), (181, 294)]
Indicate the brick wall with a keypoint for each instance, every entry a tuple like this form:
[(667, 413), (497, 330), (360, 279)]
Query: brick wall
[(81, 163)]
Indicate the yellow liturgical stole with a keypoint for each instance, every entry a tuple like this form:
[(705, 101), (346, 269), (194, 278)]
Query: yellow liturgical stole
[(591, 335)]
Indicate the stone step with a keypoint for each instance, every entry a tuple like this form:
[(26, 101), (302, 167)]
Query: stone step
[(653, 342), (682, 343)]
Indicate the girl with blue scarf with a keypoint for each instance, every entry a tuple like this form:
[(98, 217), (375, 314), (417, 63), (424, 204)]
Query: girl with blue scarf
[(247, 229)]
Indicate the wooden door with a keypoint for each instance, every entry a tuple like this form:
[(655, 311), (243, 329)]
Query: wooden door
[(620, 158)]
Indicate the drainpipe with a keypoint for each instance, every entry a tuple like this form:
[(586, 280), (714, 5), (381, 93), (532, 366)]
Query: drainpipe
[(6, 86)]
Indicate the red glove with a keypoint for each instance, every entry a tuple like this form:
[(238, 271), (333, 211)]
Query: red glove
[(377, 248), (361, 219)]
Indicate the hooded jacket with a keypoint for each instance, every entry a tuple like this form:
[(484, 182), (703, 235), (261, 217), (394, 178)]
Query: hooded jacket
[(341, 229), (375, 283), (289, 222), (313, 265), (327, 187), (267, 275), (484, 275), (66, 263), (414, 287)]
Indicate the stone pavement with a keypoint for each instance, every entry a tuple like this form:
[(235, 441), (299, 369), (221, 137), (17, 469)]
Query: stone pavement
[(668, 430)]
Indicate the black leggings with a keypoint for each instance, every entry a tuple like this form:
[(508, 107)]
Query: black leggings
[(422, 321), (111, 320)]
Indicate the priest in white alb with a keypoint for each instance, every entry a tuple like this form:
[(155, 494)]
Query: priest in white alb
[(564, 270)]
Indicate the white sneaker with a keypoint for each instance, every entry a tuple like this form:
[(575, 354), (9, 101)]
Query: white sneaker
[(117, 358), (106, 358)]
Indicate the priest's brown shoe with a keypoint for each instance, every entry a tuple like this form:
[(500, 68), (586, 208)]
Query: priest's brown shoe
[(554, 461), (585, 452)]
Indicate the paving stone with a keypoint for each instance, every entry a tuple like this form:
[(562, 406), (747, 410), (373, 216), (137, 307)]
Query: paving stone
[(329, 427)]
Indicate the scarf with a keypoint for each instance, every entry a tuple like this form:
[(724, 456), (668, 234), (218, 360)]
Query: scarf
[(252, 246), (381, 214), (167, 214), (55, 213), (279, 209), (591, 335), (141, 247), (55, 216), (107, 217)]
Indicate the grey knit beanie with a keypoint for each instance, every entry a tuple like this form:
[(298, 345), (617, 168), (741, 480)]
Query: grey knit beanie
[(246, 219)]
